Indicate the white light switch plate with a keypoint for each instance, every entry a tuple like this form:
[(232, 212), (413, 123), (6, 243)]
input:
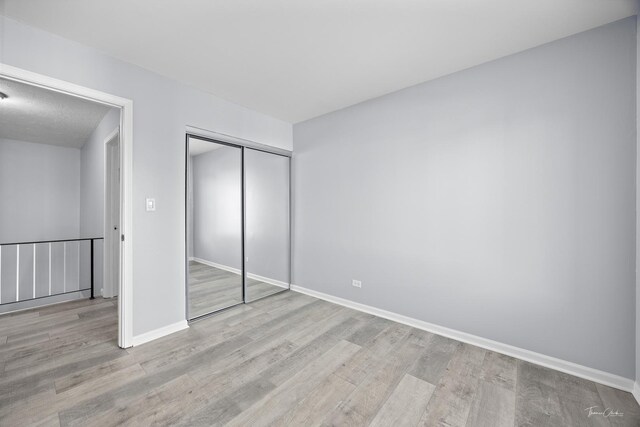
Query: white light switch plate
[(151, 205)]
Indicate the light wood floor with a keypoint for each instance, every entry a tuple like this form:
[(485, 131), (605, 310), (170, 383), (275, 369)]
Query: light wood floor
[(211, 289), (284, 360)]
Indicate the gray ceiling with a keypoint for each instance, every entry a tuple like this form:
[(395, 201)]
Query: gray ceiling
[(34, 114), (295, 60)]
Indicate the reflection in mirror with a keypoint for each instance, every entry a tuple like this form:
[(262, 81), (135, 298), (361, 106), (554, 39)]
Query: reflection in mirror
[(267, 223), (214, 226)]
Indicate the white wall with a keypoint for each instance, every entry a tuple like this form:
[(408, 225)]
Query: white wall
[(39, 192), (497, 201), (162, 110)]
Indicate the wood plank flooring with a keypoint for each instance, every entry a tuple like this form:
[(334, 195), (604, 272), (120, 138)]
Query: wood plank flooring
[(212, 289), (286, 360)]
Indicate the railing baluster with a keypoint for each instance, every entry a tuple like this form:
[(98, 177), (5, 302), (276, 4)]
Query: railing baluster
[(49, 269), (91, 264), (78, 265), (64, 267), (34, 270), (17, 272)]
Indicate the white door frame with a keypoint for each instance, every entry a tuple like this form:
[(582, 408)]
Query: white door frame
[(108, 291), (125, 298)]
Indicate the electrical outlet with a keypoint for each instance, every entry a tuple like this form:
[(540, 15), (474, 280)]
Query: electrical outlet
[(356, 283)]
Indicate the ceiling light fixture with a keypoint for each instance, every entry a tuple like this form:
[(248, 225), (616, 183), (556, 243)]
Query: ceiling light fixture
[(3, 96)]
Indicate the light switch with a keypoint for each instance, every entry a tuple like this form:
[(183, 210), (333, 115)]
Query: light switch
[(151, 205)]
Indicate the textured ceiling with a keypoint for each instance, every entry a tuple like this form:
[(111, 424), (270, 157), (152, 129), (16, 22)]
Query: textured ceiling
[(34, 114), (296, 59)]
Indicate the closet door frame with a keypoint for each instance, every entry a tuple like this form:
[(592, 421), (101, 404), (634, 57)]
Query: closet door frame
[(186, 225), (219, 138)]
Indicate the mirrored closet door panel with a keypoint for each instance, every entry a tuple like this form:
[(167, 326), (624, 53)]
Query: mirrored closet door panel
[(214, 227), (267, 223)]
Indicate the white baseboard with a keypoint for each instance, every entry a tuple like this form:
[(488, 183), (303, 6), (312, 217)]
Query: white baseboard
[(636, 391), (216, 265), (274, 282), (571, 368), (160, 332)]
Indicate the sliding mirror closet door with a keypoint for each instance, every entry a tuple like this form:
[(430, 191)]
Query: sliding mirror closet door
[(214, 227), (267, 223)]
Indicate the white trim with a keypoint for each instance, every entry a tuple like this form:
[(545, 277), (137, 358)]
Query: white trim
[(79, 285), (571, 368), (17, 272), (125, 298), (64, 267), (49, 268), (216, 265), (636, 391), (160, 332), (218, 136), (112, 135), (268, 280), (34, 271), (223, 137), (108, 290)]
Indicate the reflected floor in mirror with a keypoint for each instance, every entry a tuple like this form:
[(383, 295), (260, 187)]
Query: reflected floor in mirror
[(212, 289)]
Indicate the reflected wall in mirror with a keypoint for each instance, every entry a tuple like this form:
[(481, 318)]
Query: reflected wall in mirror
[(267, 223), (214, 227)]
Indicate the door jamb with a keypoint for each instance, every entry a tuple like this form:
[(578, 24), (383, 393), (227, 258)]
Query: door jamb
[(107, 268)]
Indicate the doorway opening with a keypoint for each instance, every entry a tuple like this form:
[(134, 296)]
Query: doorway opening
[(57, 250)]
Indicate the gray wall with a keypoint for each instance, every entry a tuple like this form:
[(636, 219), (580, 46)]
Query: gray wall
[(92, 190), (217, 206), (162, 110), (53, 193), (92, 177), (267, 189), (40, 192), (217, 210), (498, 201)]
